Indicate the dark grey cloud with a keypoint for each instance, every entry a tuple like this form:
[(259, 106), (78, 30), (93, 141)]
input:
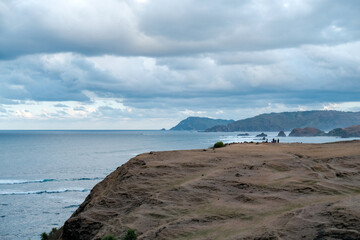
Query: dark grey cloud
[(160, 28), (50, 78), (29, 78), (8, 101)]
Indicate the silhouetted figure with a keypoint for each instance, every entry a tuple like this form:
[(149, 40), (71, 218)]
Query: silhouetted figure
[(278, 141)]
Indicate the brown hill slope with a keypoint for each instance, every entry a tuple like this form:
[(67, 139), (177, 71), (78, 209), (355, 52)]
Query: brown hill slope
[(241, 191)]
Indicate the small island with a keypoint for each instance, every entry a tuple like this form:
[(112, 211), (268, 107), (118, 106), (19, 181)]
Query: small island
[(261, 135), (306, 132), (243, 134)]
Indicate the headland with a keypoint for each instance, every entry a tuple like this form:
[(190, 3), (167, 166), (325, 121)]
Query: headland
[(240, 191)]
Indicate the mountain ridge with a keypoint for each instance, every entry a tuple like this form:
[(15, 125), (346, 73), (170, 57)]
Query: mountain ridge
[(286, 121), (199, 123)]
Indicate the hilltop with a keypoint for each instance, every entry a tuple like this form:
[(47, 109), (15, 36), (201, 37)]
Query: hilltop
[(241, 191)]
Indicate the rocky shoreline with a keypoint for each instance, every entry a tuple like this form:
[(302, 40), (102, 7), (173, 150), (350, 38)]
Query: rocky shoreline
[(241, 191)]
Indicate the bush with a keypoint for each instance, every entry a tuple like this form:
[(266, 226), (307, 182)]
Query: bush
[(130, 235), (219, 145), (53, 234), (109, 237), (44, 236), (53, 231)]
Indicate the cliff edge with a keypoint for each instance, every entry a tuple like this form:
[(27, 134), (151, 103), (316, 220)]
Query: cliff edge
[(241, 191)]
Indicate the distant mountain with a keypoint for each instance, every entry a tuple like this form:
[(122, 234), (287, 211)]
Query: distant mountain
[(353, 131), (200, 123), (286, 121)]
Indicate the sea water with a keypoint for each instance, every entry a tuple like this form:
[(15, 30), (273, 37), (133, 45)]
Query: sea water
[(46, 175)]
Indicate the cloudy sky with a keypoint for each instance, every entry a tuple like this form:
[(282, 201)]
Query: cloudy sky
[(147, 64)]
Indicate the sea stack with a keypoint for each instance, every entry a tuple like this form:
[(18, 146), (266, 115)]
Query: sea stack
[(281, 134)]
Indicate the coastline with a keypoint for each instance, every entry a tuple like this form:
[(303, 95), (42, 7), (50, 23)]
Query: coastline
[(241, 191)]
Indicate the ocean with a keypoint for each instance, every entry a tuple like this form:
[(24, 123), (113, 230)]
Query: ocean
[(46, 175)]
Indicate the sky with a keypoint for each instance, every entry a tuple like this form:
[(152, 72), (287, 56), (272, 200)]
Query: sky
[(147, 64)]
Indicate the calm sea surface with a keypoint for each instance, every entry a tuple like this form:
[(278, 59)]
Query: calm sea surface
[(46, 175)]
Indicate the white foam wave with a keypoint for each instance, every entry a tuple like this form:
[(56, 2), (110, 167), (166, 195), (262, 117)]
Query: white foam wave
[(10, 192), (20, 181)]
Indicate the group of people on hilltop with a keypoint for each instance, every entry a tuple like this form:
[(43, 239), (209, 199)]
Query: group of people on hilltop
[(273, 140)]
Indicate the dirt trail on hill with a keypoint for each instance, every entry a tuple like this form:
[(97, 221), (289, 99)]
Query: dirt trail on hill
[(241, 191)]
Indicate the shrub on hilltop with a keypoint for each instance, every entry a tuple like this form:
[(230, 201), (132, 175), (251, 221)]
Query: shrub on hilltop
[(219, 145), (109, 237), (130, 235), (53, 234)]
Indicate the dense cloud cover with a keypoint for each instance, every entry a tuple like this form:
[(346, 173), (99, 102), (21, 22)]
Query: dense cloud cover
[(163, 60)]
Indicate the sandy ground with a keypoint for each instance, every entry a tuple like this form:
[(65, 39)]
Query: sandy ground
[(241, 191)]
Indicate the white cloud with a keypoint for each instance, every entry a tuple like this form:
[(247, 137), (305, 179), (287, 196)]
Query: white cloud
[(156, 59), (23, 114), (188, 112)]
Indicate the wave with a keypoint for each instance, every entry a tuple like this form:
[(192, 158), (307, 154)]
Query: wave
[(18, 181), (44, 191), (72, 206), (84, 179)]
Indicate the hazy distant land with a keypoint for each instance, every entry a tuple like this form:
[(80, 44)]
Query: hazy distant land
[(199, 123), (308, 123), (273, 122)]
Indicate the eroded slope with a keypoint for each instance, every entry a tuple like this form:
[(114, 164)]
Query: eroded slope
[(242, 191)]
